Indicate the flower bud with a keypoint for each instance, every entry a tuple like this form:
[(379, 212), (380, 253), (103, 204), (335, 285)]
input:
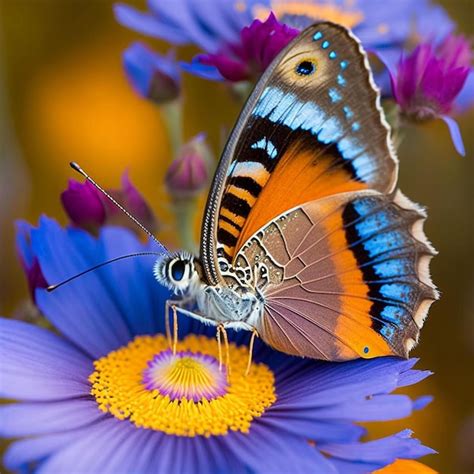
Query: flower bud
[(89, 209), (133, 202), (153, 76), (83, 205), (188, 174)]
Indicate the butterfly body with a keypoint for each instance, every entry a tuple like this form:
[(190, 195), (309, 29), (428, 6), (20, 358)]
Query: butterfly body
[(305, 237)]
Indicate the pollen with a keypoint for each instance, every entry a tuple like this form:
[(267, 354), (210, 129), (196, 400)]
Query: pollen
[(182, 393)]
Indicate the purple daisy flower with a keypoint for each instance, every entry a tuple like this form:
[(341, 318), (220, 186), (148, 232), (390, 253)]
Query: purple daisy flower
[(107, 393), (215, 26), (427, 82)]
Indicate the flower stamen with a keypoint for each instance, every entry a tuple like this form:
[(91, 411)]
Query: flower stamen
[(182, 394)]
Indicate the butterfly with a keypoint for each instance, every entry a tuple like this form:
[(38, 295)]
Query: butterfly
[(305, 238)]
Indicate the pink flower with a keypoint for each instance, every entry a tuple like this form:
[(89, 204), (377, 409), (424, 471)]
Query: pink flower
[(427, 82)]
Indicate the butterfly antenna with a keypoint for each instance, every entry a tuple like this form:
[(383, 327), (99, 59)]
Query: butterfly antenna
[(95, 267), (77, 168)]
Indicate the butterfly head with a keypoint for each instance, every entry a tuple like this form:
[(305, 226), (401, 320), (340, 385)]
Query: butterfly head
[(180, 272)]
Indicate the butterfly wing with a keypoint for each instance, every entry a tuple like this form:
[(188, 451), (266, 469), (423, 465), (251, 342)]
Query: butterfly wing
[(312, 127), (347, 276)]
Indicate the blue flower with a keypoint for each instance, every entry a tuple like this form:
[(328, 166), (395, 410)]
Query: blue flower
[(107, 393), (214, 26), (153, 76)]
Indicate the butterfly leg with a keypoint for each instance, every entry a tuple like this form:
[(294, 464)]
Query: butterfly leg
[(169, 306), (252, 341), (221, 329)]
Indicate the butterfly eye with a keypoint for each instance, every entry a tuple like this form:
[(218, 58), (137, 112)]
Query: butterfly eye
[(305, 68), (177, 270)]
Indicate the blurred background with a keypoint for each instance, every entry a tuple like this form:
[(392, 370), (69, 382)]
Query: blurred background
[(64, 97)]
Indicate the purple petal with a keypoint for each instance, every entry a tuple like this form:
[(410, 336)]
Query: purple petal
[(27, 419), (83, 310), (385, 450), (38, 365), (465, 100), (377, 408), (320, 431), (152, 76), (455, 134), (264, 451), (422, 402), (29, 450), (209, 72), (148, 25)]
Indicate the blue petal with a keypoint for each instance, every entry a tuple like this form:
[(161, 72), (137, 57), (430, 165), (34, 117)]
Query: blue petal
[(148, 25), (141, 299), (27, 419), (364, 377), (320, 431), (21, 453), (384, 451), (23, 241), (142, 65), (211, 73), (456, 136), (84, 309), (465, 99), (265, 451), (38, 365)]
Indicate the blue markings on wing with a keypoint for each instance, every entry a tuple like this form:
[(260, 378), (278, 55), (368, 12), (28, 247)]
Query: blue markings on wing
[(348, 112), (343, 64), (325, 44), (332, 55), (268, 101), (268, 146), (385, 242), (394, 314), (397, 291), (317, 36), (392, 268), (341, 80), (287, 109), (334, 95), (331, 131), (373, 223)]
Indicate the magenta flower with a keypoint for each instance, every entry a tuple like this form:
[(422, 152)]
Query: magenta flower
[(83, 205), (428, 81), (259, 44), (88, 209), (188, 174)]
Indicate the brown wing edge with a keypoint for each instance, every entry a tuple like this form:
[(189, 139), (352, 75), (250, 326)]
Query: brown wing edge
[(423, 271)]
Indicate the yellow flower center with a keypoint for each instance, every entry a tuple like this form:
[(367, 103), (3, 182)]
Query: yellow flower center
[(185, 393)]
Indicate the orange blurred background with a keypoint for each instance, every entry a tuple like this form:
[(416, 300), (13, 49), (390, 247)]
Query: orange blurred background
[(64, 97)]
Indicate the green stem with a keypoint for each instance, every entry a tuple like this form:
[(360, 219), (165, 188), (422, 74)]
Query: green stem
[(172, 115), (185, 213)]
